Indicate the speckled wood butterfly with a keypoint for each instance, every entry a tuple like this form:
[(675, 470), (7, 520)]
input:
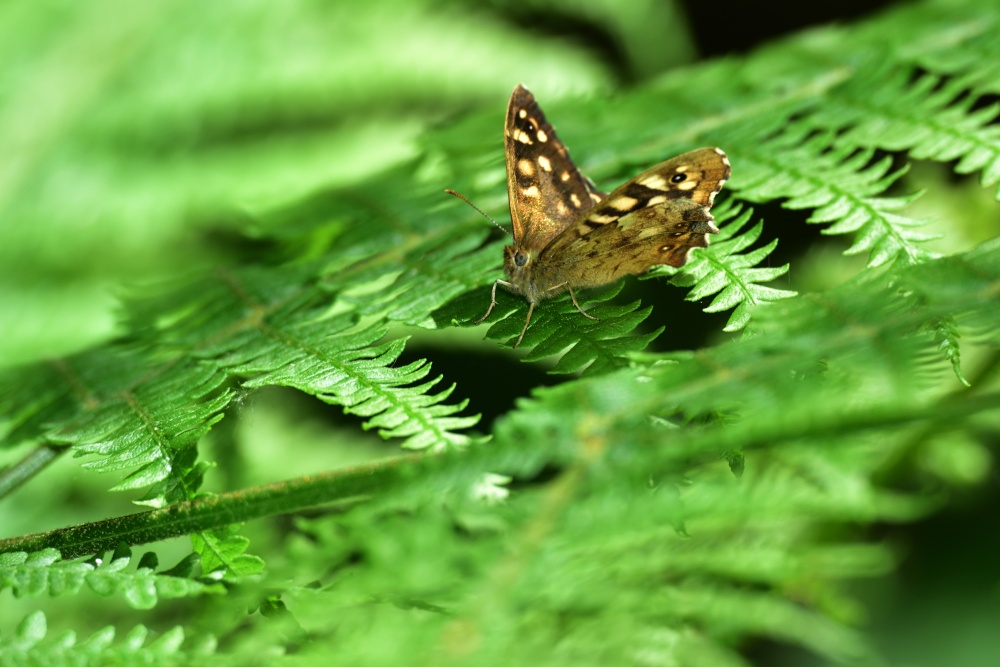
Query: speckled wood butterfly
[(568, 236)]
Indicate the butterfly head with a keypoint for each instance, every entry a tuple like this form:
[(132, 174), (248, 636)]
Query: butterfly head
[(516, 260), (519, 264)]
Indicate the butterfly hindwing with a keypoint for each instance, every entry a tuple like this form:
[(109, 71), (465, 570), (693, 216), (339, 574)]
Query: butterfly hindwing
[(633, 244), (697, 175), (655, 218)]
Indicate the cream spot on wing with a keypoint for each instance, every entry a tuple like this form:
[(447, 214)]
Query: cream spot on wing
[(523, 113), (654, 182), (603, 219), (659, 199), (523, 137), (575, 200), (544, 163), (564, 176), (687, 185), (525, 167), (562, 208), (624, 203), (725, 161), (596, 197), (531, 192), (542, 137)]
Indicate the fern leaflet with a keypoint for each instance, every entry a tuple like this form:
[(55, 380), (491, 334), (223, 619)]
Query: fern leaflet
[(735, 278), (43, 573)]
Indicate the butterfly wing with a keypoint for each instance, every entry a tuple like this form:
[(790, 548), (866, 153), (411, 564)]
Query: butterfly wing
[(546, 192), (655, 218)]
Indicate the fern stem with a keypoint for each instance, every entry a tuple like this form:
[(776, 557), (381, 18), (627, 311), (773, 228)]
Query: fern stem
[(191, 516)]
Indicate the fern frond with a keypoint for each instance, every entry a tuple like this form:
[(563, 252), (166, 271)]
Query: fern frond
[(151, 427), (332, 360), (145, 419), (882, 106), (721, 269), (431, 274), (947, 335), (585, 345), (29, 646), (954, 39), (44, 573), (841, 185)]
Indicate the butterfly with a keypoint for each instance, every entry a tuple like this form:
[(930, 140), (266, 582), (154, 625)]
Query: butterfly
[(569, 236)]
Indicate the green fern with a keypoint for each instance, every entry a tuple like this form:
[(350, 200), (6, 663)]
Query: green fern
[(345, 366), (841, 187), (30, 646), (222, 552), (154, 427), (43, 573), (583, 345), (932, 118), (653, 507), (733, 277)]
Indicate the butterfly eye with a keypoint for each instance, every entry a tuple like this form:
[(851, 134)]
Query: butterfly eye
[(520, 259), (678, 178)]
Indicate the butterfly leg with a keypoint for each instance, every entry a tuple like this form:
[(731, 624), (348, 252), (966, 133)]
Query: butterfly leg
[(573, 297), (493, 299), (527, 321)]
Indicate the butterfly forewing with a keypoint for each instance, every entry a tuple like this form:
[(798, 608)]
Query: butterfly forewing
[(547, 193)]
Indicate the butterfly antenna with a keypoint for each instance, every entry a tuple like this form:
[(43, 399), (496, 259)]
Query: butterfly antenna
[(479, 210)]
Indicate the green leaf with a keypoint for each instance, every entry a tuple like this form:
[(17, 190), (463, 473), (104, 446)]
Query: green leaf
[(43, 573), (31, 646), (223, 553)]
